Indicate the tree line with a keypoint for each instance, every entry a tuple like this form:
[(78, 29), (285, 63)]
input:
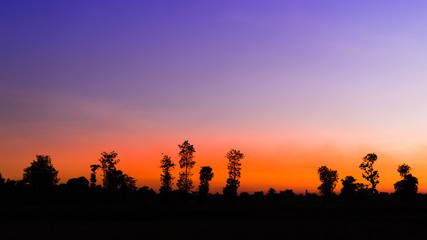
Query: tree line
[(42, 177), (405, 188)]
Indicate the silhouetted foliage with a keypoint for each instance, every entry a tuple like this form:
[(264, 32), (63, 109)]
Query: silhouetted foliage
[(93, 169), (2, 183), (186, 163), (329, 179), (258, 195), (234, 174), (403, 170), (41, 174), (113, 179), (350, 187), (287, 194), (109, 199), (271, 192), (206, 175), (244, 196), (166, 177), (1, 180), (408, 186), (78, 184), (369, 173), (146, 192)]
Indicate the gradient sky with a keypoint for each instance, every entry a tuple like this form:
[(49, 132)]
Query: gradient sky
[(292, 84)]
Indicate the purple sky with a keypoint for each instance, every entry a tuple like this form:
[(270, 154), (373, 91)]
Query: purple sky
[(293, 57)]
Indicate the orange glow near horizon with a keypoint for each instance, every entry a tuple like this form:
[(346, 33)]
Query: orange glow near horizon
[(291, 165)]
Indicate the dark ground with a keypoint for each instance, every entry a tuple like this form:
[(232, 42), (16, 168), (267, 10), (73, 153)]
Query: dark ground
[(266, 220)]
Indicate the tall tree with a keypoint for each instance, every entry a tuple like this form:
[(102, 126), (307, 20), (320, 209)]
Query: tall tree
[(166, 177), (206, 175), (186, 163), (41, 174), (113, 179), (369, 173), (408, 186), (329, 179), (234, 167)]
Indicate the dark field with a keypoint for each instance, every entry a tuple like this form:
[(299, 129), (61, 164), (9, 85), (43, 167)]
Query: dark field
[(266, 220)]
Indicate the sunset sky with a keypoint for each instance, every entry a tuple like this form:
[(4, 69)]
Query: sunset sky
[(293, 84)]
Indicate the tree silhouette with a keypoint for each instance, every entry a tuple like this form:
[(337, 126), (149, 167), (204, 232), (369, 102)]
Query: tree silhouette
[(113, 179), (234, 168), (329, 179), (369, 173), (166, 177), (350, 187), (93, 169), (271, 192), (287, 194), (408, 186), (186, 163), (403, 170), (41, 174), (206, 175)]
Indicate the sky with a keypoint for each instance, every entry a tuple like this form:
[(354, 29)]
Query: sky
[(294, 85)]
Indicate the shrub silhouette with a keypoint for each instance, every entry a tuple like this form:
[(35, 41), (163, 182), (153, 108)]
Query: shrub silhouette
[(80, 184), (206, 175), (41, 174), (408, 186), (271, 192), (350, 187), (287, 194), (329, 179), (186, 163), (166, 177), (93, 169), (369, 173), (234, 167)]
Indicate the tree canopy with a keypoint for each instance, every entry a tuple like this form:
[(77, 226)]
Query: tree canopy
[(329, 179), (41, 174)]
